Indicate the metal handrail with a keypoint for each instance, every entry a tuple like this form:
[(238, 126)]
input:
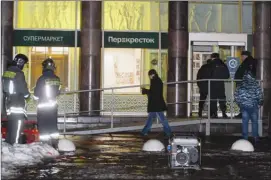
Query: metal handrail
[(65, 114), (165, 83)]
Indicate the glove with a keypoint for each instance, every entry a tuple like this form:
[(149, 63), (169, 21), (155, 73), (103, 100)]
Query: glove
[(28, 99), (144, 91)]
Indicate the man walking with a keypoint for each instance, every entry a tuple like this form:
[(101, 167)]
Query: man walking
[(156, 103)]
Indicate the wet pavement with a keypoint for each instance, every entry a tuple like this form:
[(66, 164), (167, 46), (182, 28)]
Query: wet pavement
[(119, 156)]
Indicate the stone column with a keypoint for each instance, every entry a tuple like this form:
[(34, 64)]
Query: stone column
[(262, 45), (90, 65), (177, 57), (6, 32), (6, 38)]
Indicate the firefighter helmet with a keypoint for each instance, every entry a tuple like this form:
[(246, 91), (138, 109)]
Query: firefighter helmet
[(20, 60), (49, 64)]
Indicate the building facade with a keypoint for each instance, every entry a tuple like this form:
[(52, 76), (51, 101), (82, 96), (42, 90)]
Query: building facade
[(114, 43)]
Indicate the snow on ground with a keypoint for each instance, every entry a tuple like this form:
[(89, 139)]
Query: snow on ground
[(24, 155)]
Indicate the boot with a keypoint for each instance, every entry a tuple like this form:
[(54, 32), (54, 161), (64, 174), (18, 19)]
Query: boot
[(200, 113), (214, 115), (239, 116), (255, 141)]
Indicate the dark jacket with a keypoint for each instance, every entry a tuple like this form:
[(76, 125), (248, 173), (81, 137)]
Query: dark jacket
[(249, 94), (219, 70), (15, 87), (156, 102), (249, 64), (204, 73), (47, 85)]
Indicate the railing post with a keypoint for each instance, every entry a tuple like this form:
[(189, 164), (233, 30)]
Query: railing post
[(64, 124), (112, 108), (207, 127), (232, 97), (64, 128)]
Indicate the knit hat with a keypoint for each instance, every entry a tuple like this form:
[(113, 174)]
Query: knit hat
[(152, 71), (246, 53)]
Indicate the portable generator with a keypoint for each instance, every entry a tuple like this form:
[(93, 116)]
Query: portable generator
[(184, 152)]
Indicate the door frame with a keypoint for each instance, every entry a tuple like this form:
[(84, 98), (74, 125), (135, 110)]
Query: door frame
[(225, 39)]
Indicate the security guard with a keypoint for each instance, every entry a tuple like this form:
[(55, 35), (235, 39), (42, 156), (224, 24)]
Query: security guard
[(46, 90), (15, 94)]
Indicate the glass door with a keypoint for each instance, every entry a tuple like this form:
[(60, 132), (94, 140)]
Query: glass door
[(201, 52)]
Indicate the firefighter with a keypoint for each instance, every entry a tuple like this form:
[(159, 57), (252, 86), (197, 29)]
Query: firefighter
[(46, 90), (16, 94)]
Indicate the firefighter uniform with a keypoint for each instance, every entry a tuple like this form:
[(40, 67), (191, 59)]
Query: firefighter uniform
[(15, 95), (46, 91)]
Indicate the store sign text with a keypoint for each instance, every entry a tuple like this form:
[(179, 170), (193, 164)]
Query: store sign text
[(44, 38), (131, 40)]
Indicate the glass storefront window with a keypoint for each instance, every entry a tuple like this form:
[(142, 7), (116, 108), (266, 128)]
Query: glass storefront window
[(64, 58), (129, 67), (47, 14), (247, 13), (60, 57), (204, 17), (226, 17), (131, 15), (164, 16), (122, 67)]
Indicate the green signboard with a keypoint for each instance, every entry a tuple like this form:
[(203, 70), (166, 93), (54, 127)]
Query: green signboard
[(146, 40), (44, 38)]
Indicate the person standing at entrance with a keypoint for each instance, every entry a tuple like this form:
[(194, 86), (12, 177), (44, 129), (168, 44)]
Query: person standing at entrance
[(15, 94), (219, 70), (249, 98), (156, 103), (46, 90), (203, 73), (248, 63)]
